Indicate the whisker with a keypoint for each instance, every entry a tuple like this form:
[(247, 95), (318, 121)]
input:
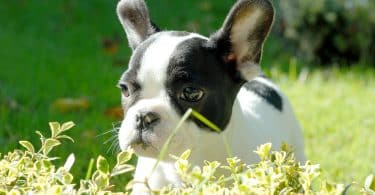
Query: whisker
[(117, 123), (107, 132), (114, 148), (111, 139), (110, 148), (113, 142)]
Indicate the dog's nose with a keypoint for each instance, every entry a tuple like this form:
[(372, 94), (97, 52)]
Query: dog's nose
[(147, 120)]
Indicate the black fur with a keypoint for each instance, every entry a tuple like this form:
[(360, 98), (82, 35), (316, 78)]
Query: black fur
[(196, 64), (265, 92)]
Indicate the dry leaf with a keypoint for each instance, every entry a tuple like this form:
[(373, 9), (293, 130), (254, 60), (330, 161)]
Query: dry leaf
[(120, 62), (115, 112), (70, 104), (193, 26), (205, 6), (89, 134), (110, 45)]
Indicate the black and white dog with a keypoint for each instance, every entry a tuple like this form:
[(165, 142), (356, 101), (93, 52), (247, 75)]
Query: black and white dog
[(219, 76)]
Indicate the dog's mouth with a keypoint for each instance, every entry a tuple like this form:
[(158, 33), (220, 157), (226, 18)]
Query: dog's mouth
[(141, 140)]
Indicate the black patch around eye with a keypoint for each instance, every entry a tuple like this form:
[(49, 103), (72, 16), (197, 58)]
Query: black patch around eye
[(195, 64), (124, 89), (266, 92)]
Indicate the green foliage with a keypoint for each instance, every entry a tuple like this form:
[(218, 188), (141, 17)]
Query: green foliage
[(276, 173), (331, 30), (29, 172), (34, 172)]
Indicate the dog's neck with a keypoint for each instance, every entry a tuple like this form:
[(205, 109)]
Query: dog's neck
[(209, 146)]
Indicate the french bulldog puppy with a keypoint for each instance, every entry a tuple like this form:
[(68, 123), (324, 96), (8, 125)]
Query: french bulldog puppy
[(218, 76)]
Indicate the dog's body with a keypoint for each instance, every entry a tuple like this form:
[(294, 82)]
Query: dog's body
[(218, 76)]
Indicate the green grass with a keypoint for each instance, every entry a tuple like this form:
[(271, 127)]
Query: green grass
[(336, 110), (53, 49)]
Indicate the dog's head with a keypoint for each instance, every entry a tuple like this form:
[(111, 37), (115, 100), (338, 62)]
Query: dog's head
[(171, 71)]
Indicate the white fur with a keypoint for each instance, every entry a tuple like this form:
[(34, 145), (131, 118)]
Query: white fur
[(153, 97), (253, 122)]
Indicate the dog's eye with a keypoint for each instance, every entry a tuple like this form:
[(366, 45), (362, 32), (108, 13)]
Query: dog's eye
[(191, 94), (124, 89)]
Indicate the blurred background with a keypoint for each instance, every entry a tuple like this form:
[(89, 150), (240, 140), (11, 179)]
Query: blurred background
[(61, 60)]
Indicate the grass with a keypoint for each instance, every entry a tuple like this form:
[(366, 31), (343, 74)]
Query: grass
[(51, 50), (336, 110)]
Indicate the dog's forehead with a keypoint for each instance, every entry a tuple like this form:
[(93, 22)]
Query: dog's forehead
[(150, 61)]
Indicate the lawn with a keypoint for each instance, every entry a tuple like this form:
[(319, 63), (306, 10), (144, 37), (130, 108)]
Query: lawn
[(53, 50)]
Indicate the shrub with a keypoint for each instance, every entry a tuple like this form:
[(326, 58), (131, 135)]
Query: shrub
[(327, 31), (31, 171)]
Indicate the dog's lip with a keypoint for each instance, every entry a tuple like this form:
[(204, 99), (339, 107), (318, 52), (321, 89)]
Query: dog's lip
[(139, 140)]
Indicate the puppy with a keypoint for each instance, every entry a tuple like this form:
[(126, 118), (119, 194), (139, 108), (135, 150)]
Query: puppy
[(218, 76)]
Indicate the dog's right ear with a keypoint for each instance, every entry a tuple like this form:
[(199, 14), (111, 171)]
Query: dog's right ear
[(134, 17)]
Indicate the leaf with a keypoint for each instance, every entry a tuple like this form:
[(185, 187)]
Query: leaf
[(14, 192), (66, 126), (122, 169), (55, 128), (69, 162), (124, 157), (56, 189), (370, 183), (49, 144), (263, 151), (101, 180), (65, 137), (185, 155), (40, 134), (29, 146), (102, 165), (68, 178), (232, 162)]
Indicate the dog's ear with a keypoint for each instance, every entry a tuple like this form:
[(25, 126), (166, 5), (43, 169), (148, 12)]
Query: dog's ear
[(240, 39), (134, 17)]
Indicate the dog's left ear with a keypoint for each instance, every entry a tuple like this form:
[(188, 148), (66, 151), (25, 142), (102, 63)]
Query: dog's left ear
[(240, 39), (134, 17)]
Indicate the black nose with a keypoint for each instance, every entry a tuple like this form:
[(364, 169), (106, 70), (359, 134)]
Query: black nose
[(146, 121)]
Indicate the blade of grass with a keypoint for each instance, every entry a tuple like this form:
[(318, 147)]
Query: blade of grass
[(166, 144), (89, 171), (227, 147), (205, 121)]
